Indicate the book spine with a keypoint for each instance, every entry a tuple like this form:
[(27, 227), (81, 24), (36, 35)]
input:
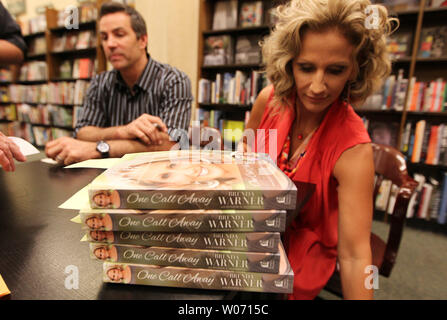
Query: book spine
[(197, 278), (202, 199), (189, 258), (200, 222), (246, 242)]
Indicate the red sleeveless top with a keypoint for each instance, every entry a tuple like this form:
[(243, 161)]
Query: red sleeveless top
[(311, 240)]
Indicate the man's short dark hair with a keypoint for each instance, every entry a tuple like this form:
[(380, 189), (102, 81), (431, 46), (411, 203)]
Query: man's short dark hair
[(136, 20)]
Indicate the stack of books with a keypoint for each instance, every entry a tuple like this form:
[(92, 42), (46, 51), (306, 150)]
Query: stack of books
[(192, 219)]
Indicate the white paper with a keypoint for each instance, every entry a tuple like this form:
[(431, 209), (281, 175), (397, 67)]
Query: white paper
[(95, 163), (49, 161), (25, 147)]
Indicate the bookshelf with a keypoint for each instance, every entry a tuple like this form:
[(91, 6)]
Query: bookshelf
[(38, 102), (425, 100), (228, 86)]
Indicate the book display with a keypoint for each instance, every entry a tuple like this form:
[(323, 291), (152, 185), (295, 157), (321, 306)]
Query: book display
[(47, 91), (230, 76), (409, 112), (182, 234)]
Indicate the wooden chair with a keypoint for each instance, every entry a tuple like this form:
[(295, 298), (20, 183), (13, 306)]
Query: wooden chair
[(389, 164)]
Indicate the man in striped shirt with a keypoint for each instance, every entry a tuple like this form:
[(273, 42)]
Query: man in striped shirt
[(141, 105)]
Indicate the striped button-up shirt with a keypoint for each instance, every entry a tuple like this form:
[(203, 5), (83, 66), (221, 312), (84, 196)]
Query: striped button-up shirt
[(161, 91)]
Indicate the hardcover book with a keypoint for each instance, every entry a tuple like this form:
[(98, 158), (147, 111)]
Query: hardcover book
[(218, 51), (248, 50), (184, 220), (251, 241), (225, 15), (433, 42), (190, 258), (281, 282), (194, 180), (251, 14)]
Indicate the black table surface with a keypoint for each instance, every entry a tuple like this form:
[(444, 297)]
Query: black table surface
[(38, 241)]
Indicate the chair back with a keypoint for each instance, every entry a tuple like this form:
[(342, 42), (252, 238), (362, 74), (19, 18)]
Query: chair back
[(390, 164)]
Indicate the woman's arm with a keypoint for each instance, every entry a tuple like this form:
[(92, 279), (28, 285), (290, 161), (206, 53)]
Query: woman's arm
[(354, 172), (257, 111)]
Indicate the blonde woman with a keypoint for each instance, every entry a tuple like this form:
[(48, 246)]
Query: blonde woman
[(323, 57)]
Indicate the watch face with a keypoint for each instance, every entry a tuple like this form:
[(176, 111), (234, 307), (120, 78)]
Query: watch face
[(103, 147)]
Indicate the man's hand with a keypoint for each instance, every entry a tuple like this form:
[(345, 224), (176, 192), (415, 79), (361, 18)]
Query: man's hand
[(8, 152), (146, 128), (68, 150)]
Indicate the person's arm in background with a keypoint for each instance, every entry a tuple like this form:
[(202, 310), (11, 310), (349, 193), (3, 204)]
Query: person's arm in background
[(8, 152), (12, 45)]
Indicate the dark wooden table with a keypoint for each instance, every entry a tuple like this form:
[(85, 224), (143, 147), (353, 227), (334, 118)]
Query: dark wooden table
[(38, 241)]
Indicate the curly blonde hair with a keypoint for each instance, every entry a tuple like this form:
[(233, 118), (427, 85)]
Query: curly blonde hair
[(350, 17)]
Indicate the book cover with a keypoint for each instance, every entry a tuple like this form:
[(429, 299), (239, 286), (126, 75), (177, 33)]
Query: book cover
[(248, 50), (194, 180), (384, 132), (250, 241), (251, 14), (433, 42), (190, 258), (184, 221), (399, 45), (218, 51), (225, 15), (281, 282), (418, 139)]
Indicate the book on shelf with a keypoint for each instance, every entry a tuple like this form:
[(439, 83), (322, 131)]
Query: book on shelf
[(8, 112), (418, 140), (71, 40), (383, 132), (86, 13), (232, 88), (399, 5), (194, 180), (399, 45), (74, 41), (59, 43), (433, 42), (233, 130), (425, 143), (225, 15), (183, 220), (85, 40), (248, 50), (218, 51), (415, 197), (237, 241), (267, 262), (37, 46), (59, 116), (34, 71), (77, 69), (34, 25), (383, 195), (167, 276), (5, 75), (251, 14), (271, 17), (66, 69), (436, 3)]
